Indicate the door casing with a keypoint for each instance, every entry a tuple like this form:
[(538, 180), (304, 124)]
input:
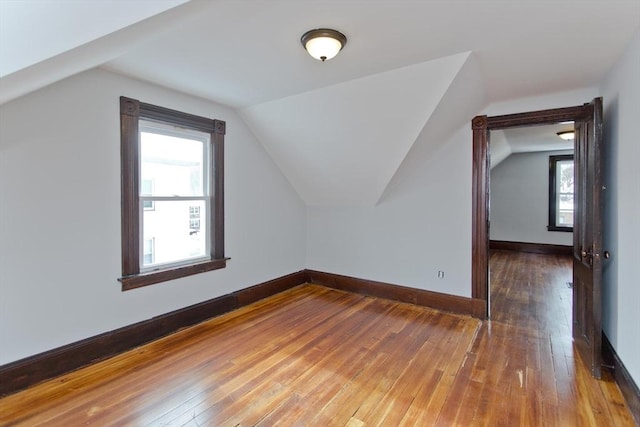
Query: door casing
[(481, 126)]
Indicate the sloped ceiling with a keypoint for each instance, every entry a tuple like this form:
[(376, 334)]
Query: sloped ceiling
[(339, 130), (538, 138), (528, 139), (340, 145), (500, 148), (67, 25)]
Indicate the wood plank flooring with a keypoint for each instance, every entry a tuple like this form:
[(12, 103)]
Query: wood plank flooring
[(530, 336), (314, 356)]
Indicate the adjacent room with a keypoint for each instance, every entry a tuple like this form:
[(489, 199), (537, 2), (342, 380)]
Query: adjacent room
[(320, 213)]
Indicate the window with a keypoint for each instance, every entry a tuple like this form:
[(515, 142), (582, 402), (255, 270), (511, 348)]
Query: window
[(561, 179), (172, 194), (194, 219), (147, 190), (148, 251)]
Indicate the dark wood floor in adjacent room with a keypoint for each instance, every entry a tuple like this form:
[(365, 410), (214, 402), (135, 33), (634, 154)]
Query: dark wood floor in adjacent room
[(317, 356)]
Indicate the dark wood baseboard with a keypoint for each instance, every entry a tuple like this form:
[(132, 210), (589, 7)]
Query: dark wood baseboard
[(29, 371), (452, 303), (263, 290), (23, 373), (26, 372), (535, 248), (627, 386)]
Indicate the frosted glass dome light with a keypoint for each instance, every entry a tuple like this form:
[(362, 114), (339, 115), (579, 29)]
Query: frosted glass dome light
[(323, 43), (566, 135)]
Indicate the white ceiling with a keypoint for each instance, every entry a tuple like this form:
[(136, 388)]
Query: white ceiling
[(356, 132), (528, 139), (538, 138), (33, 31), (338, 130)]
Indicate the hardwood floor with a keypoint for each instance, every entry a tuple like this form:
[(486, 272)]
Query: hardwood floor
[(530, 336), (317, 356)]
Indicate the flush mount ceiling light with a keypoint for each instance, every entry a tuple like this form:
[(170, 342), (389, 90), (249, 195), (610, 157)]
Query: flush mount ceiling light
[(567, 135), (323, 43)]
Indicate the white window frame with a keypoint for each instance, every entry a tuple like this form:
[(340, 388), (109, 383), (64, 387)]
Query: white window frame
[(178, 132)]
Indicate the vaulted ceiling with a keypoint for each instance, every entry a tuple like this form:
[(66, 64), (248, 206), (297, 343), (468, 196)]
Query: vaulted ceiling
[(338, 130)]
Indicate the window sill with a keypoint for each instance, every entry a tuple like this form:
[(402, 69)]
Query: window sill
[(555, 228), (144, 279)]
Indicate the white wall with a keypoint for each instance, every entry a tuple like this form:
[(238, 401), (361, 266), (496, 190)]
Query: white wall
[(542, 102), (422, 223), (60, 215), (425, 226), (520, 200), (621, 321)]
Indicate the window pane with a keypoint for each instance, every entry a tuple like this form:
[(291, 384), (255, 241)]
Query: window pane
[(177, 236), (148, 251), (172, 165), (564, 193), (147, 190), (565, 176)]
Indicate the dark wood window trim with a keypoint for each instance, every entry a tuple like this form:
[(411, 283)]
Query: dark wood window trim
[(553, 185), (131, 110)]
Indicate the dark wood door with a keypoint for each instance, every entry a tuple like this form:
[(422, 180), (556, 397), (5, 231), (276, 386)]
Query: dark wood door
[(587, 238)]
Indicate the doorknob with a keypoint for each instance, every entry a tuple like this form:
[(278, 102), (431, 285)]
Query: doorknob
[(588, 253)]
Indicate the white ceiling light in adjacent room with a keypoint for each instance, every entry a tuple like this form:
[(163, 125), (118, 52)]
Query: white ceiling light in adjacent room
[(323, 43), (567, 135)]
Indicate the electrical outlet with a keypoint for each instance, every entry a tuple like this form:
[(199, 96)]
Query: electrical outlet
[(440, 274)]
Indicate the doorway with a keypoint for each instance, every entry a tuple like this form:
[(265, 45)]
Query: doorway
[(531, 223), (531, 188), (587, 242)]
